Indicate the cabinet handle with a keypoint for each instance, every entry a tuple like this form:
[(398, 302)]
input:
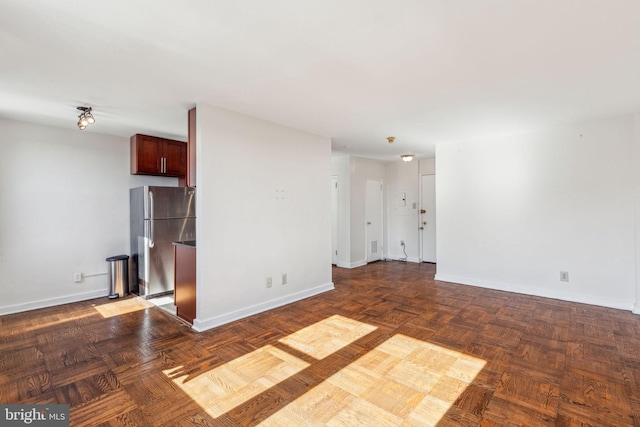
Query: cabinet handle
[(164, 165)]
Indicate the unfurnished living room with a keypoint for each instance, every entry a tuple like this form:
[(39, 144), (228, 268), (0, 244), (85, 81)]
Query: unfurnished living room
[(364, 213)]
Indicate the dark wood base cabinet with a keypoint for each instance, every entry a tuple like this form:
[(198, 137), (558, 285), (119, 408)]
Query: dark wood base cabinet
[(185, 279)]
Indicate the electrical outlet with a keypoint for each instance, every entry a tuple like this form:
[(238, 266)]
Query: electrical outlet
[(284, 278), (564, 276), (269, 282), (77, 277)]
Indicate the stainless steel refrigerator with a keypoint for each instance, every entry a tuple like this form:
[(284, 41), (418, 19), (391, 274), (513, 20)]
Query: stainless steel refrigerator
[(159, 217)]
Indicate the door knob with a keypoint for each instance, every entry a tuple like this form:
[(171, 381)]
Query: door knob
[(424, 222), (423, 211)]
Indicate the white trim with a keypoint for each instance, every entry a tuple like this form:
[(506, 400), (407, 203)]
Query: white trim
[(367, 242), (545, 293), (221, 319), (421, 206), (401, 258), (635, 154), (343, 265), (34, 305), (335, 250), (351, 265)]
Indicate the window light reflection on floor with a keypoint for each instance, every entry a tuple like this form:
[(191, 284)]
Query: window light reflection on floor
[(49, 321), (327, 336), (402, 380), (123, 306), (227, 386)]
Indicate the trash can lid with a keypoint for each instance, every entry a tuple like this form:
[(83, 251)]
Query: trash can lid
[(118, 257)]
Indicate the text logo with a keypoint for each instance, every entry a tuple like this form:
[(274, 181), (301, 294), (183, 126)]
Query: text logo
[(34, 415)]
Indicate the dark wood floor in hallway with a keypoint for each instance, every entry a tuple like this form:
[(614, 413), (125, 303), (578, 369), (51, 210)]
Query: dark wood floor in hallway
[(389, 346)]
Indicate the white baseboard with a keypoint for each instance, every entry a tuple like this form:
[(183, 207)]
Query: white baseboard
[(351, 265), (410, 259), (361, 263), (539, 292), (34, 305), (212, 322)]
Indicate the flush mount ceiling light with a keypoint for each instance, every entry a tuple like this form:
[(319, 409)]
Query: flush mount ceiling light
[(85, 118), (391, 139), (407, 157)]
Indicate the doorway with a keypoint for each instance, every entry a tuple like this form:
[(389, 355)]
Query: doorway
[(373, 220), (427, 225)]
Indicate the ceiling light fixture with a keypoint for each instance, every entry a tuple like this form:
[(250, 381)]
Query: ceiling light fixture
[(407, 157), (85, 118), (391, 139)]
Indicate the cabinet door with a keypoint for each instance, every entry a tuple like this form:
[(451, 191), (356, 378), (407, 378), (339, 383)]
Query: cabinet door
[(148, 153), (175, 154), (185, 279)]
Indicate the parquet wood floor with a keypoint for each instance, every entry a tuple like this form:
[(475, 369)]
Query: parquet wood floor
[(389, 346)]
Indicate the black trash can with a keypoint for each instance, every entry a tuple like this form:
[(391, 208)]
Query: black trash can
[(118, 275)]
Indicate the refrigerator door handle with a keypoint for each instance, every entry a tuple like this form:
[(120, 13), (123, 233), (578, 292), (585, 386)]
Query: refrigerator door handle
[(150, 222), (149, 232), (151, 204)]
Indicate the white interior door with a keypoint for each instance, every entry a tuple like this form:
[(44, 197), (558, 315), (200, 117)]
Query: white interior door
[(373, 219), (428, 217), (334, 220)]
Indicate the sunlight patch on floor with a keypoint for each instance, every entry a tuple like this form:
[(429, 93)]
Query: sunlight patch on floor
[(225, 387), (403, 381), (122, 306), (56, 321), (327, 336)]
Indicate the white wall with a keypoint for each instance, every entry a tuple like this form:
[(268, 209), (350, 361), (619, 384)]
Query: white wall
[(64, 208), (402, 221), (264, 210), (340, 167), (360, 171), (515, 211), (427, 167)]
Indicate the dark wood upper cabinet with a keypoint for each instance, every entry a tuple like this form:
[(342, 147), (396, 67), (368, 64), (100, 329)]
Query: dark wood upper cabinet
[(158, 156), (175, 153)]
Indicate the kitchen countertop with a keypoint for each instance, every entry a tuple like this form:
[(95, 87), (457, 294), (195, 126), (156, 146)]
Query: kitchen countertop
[(187, 243)]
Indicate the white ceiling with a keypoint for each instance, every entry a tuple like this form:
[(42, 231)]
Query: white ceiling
[(424, 71)]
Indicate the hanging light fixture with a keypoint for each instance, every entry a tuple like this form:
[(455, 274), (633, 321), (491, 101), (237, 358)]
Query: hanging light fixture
[(89, 117), (407, 157), (85, 118), (391, 139)]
